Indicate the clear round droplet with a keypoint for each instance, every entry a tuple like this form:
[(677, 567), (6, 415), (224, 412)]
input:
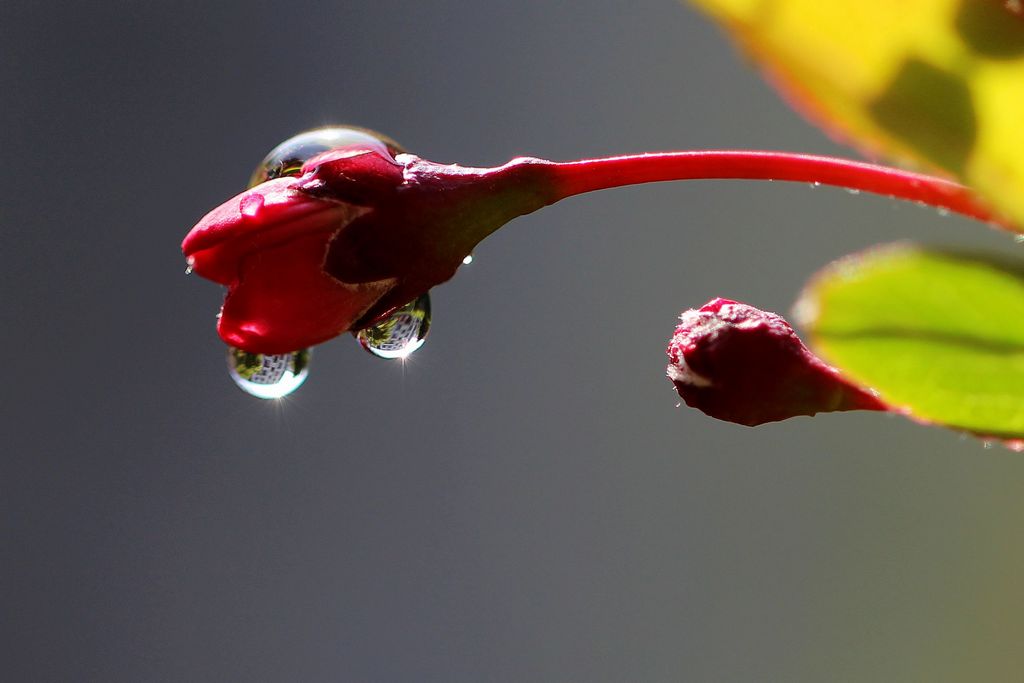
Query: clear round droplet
[(466, 261), (268, 375), (402, 333), (288, 157)]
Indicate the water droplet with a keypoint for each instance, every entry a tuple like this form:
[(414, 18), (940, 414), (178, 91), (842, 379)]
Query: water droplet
[(816, 184), (987, 445), (402, 333), (943, 211), (250, 205), (288, 157), (188, 269), (466, 261), (268, 375), (852, 190), (1019, 239)]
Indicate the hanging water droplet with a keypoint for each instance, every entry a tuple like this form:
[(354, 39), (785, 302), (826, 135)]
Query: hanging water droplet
[(852, 190), (943, 211), (188, 269), (987, 445), (816, 184), (466, 261), (268, 375), (402, 333)]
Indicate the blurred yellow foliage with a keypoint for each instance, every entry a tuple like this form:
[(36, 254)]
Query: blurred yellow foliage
[(933, 83)]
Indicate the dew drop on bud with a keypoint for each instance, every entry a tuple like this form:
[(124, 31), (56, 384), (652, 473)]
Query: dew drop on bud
[(466, 261), (288, 157), (268, 375), (401, 333)]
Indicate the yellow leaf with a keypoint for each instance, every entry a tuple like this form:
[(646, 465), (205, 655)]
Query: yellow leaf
[(937, 83)]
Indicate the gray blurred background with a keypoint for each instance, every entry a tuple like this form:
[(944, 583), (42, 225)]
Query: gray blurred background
[(523, 500)]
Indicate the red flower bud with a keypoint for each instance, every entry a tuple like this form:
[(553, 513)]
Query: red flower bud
[(354, 236), (743, 365), (360, 229)]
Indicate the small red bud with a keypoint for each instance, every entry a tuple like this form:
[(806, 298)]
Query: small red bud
[(743, 365)]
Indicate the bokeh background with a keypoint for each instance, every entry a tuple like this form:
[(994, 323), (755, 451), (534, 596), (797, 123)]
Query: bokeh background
[(523, 500)]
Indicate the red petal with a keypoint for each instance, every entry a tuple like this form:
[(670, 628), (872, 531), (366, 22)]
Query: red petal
[(266, 215), (283, 301)]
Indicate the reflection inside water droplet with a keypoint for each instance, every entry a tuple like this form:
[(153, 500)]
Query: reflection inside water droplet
[(401, 333), (268, 375)]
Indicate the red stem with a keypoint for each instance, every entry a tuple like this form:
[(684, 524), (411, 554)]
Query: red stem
[(576, 177)]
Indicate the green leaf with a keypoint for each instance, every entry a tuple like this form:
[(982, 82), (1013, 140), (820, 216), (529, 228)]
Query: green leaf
[(939, 334)]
